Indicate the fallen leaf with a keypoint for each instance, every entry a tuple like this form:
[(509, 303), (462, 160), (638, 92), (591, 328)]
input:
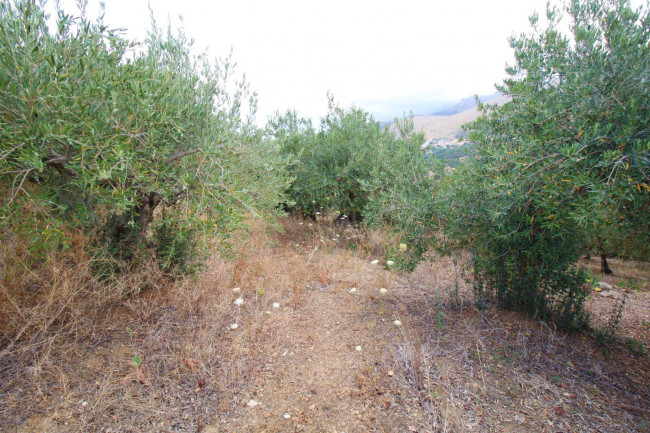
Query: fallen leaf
[(191, 363)]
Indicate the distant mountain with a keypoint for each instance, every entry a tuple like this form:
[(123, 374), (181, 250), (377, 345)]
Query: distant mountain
[(449, 127), (464, 104), (388, 109)]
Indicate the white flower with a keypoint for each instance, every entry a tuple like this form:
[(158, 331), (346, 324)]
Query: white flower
[(84, 403), (353, 290), (390, 263), (310, 224), (317, 213), (402, 247), (234, 326), (383, 291), (276, 305), (299, 224), (236, 290), (397, 323), (239, 301), (358, 348), (374, 262)]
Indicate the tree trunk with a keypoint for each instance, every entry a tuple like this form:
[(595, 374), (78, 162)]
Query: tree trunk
[(604, 267), (123, 235), (145, 210)]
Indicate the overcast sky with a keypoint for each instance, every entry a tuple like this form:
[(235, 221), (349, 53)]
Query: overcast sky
[(384, 56)]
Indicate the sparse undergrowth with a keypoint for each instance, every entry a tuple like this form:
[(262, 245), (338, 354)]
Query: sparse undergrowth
[(168, 360)]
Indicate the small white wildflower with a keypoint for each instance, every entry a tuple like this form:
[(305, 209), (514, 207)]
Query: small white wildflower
[(317, 213), (374, 262), (239, 301), (300, 224), (358, 348), (287, 416), (236, 290), (310, 224), (402, 247), (234, 326), (383, 291), (353, 290), (390, 263), (276, 305), (84, 403), (397, 323)]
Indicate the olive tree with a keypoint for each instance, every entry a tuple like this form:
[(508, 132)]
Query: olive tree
[(134, 144), (566, 161)]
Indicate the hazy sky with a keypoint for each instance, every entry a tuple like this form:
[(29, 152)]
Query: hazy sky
[(384, 56)]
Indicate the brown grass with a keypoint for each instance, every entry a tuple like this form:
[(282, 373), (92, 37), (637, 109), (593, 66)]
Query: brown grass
[(498, 371), (69, 340), (67, 354)]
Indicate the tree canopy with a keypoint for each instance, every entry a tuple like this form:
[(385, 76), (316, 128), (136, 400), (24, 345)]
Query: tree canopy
[(565, 162)]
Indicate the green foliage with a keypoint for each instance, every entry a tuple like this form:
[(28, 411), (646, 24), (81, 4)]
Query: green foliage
[(361, 171), (565, 162), (136, 361), (176, 247), (452, 155), (402, 190), (331, 164), (101, 135)]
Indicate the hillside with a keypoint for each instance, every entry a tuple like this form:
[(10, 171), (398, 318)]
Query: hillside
[(448, 127)]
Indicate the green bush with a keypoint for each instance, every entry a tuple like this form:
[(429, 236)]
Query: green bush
[(565, 161), (361, 172), (100, 134)]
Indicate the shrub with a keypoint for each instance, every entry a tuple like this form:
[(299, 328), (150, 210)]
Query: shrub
[(103, 135), (362, 172), (567, 157)]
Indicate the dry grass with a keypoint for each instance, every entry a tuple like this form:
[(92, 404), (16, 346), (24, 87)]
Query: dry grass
[(70, 350), (67, 360), (498, 371)]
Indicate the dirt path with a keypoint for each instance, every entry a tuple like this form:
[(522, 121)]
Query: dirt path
[(331, 374)]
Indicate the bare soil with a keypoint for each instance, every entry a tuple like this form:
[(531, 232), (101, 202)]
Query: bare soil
[(327, 360)]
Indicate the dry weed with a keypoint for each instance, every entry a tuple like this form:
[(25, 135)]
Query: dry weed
[(168, 359), (85, 355)]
